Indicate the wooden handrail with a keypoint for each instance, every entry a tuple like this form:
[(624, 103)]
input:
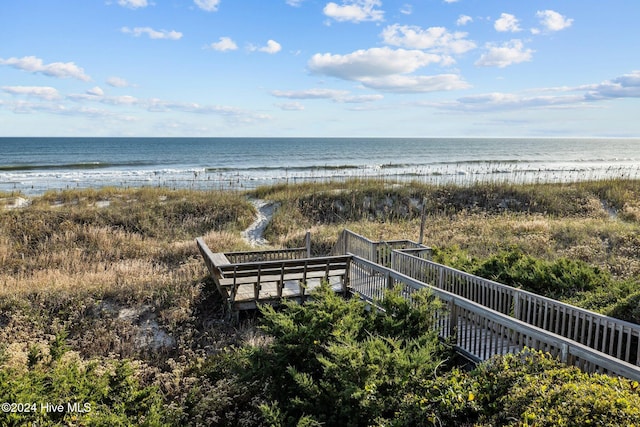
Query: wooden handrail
[(379, 252), (272, 254), (521, 333), (271, 268), (616, 337)]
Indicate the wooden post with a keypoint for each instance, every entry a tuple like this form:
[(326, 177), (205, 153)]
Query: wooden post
[(389, 280), (345, 279), (516, 305), (453, 319), (564, 353), (423, 219), (345, 241)]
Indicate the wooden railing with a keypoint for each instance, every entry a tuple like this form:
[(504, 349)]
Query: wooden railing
[(256, 277), (272, 254), (608, 335), (482, 317), (481, 332), (268, 255), (378, 252)]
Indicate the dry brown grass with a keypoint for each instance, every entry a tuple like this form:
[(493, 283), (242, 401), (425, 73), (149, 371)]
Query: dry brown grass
[(68, 262), (71, 261), (592, 221)]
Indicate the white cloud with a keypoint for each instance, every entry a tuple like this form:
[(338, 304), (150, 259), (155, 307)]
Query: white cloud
[(58, 108), (625, 86), (271, 47), (451, 1), (153, 34), (388, 70), (354, 11), (335, 95), (360, 99), (43, 92), (207, 5), (463, 20), (553, 21), (54, 69), (499, 101), (507, 23), (416, 84), (406, 9), (133, 4), (310, 94), (117, 82), (294, 3), (225, 44), (374, 62), (434, 38), (290, 106), (96, 91), (509, 53), (120, 100), (51, 102)]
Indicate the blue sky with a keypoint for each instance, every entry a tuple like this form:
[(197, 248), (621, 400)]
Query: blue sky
[(416, 68)]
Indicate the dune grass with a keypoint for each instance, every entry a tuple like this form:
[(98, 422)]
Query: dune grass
[(99, 269), (69, 262), (591, 222)]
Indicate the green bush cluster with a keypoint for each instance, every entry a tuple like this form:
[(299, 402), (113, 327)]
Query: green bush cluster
[(333, 362), (57, 388), (525, 389), (573, 281), (561, 277)]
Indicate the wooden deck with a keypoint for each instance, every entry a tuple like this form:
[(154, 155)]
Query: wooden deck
[(269, 278), (480, 317)]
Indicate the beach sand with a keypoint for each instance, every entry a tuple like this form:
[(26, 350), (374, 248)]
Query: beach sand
[(254, 234)]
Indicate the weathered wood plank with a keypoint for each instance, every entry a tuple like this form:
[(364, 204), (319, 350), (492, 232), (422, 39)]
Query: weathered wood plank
[(280, 276), (219, 259)]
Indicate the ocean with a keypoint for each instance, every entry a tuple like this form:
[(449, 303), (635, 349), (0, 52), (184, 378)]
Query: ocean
[(35, 165)]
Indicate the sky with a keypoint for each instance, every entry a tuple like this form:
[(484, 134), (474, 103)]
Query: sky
[(319, 68)]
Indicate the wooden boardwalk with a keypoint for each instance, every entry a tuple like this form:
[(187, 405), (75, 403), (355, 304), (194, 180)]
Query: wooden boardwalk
[(480, 318), (474, 339)]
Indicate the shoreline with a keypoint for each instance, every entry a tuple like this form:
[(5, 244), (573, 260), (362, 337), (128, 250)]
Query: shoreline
[(455, 177), (35, 165)]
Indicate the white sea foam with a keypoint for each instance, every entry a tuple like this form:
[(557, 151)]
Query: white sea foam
[(247, 163)]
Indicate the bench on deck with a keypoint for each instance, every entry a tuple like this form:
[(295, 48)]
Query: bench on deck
[(244, 284), (273, 280)]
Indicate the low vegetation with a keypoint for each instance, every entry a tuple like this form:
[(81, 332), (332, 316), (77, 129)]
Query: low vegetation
[(105, 301), (578, 242)]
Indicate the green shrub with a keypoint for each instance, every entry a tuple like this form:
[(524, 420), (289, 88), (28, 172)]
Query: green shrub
[(83, 393), (332, 361), (628, 308), (533, 389), (560, 278), (525, 389)]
